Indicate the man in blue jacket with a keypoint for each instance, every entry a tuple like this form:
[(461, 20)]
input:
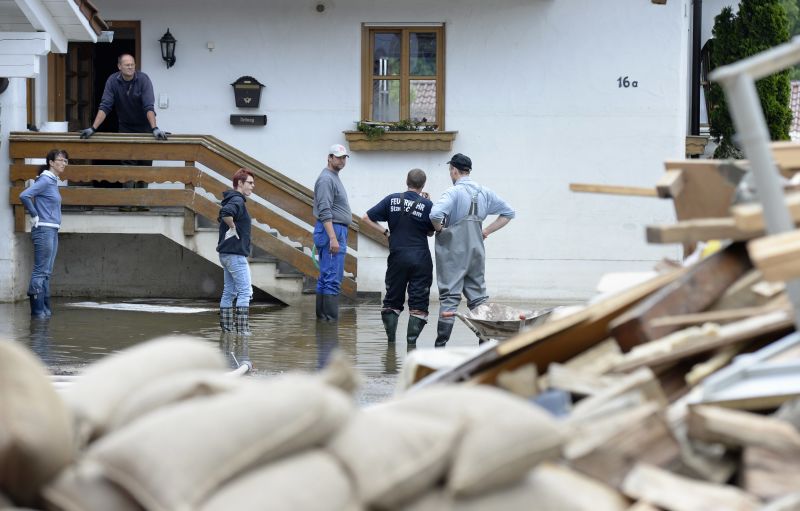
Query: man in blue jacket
[(234, 249)]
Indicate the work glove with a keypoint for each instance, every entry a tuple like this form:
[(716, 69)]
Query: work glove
[(88, 132), (158, 134), (34, 222), (231, 233)]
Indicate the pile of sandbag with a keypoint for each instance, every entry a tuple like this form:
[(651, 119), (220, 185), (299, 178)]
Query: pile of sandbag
[(162, 427)]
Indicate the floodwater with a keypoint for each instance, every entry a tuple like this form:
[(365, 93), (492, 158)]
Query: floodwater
[(284, 338)]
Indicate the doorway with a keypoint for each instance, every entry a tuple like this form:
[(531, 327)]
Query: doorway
[(88, 66)]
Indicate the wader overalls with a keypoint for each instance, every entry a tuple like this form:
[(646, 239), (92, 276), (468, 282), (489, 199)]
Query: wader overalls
[(460, 264)]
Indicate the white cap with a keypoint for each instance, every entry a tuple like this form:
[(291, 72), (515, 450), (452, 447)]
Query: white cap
[(338, 150)]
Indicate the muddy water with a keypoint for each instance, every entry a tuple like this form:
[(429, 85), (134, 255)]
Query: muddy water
[(284, 338)]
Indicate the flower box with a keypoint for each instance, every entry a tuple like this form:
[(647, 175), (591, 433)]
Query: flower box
[(402, 141)]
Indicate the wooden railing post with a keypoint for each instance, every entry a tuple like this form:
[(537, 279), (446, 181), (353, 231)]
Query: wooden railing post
[(189, 220), (19, 211)]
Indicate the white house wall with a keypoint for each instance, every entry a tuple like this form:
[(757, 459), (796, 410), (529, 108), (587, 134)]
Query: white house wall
[(531, 87)]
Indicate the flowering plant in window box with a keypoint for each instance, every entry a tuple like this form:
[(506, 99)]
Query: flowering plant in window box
[(405, 135)]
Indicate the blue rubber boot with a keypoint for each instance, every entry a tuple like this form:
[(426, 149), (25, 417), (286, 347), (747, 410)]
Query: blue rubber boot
[(37, 305)]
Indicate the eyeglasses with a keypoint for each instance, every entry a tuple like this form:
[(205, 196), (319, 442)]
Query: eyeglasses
[(250, 183), (63, 160)]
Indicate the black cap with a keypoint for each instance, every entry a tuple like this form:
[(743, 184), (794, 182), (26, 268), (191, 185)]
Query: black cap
[(461, 162)]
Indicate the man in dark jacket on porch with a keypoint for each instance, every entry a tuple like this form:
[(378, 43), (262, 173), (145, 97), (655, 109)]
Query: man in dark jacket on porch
[(130, 93)]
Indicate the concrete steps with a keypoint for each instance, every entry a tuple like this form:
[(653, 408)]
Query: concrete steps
[(268, 274)]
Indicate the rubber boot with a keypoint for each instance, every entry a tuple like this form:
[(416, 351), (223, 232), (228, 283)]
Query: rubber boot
[(226, 319), (46, 293), (330, 307), (46, 306), (319, 309), (415, 326), (242, 320), (389, 318), (37, 305), (443, 331)]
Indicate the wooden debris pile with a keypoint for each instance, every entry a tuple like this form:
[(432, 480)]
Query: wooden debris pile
[(678, 393)]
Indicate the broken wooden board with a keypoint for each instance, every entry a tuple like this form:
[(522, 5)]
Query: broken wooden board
[(671, 184), (676, 347), (769, 474), (694, 291), (612, 189), (750, 217), (721, 316), (701, 229), (742, 429), (677, 493), (777, 256), (708, 187), (608, 451)]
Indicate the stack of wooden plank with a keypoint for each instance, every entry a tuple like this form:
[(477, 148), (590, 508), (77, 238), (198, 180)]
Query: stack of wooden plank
[(679, 392)]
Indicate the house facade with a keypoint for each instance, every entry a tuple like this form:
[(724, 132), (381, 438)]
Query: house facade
[(539, 93)]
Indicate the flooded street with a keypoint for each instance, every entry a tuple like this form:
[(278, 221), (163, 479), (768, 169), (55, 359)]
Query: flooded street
[(284, 338)]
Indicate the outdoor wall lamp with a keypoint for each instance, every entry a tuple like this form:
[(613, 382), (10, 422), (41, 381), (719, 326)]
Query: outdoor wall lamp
[(168, 49)]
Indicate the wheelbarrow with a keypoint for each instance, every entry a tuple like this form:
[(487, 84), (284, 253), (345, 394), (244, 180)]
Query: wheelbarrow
[(498, 321)]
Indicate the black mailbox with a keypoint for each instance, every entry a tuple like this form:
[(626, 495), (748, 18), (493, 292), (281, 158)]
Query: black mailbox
[(247, 91)]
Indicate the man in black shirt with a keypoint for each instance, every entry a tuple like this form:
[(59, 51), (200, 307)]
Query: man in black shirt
[(409, 265)]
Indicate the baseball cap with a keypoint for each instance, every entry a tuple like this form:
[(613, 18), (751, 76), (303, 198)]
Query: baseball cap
[(338, 150), (461, 162)]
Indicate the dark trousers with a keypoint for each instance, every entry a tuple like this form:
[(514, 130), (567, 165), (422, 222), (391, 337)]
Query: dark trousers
[(408, 269)]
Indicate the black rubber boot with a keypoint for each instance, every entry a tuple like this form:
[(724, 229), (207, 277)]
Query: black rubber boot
[(389, 318), (443, 331), (330, 307), (226, 319), (37, 305), (415, 326), (242, 320), (319, 309), (46, 306)]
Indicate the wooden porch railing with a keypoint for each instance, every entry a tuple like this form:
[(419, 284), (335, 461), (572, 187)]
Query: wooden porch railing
[(292, 198)]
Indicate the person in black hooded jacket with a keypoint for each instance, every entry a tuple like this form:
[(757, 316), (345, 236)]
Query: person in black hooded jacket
[(234, 249)]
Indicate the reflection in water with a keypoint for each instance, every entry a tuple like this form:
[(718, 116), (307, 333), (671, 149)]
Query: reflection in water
[(235, 348), (40, 338), (327, 336), (283, 339)]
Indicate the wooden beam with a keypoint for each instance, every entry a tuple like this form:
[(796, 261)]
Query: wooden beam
[(720, 316), (679, 493), (737, 428), (749, 217), (671, 184), (670, 349), (612, 189), (701, 229), (694, 291), (777, 256)]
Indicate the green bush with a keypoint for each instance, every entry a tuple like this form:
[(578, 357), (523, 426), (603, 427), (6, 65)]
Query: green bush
[(758, 26)]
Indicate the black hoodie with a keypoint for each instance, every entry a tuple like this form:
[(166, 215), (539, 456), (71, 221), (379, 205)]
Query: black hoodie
[(233, 206)]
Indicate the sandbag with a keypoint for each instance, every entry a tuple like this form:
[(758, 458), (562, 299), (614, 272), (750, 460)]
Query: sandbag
[(82, 487), (173, 458), (172, 389), (98, 392), (36, 435), (548, 487), (394, 455), (309, 481), (504, 436)]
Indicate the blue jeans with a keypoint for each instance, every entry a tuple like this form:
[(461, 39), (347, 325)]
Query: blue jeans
[(331, 266), (45, 246), (236, 273)]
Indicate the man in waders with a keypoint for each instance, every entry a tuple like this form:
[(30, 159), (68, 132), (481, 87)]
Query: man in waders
[(409, 265), (458, 218), (332, 211)]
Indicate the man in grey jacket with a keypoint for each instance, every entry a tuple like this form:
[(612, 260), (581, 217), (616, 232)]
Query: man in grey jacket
[(332, 211)]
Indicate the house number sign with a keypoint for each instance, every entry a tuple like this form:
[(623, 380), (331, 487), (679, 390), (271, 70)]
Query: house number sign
[(623, 82)]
